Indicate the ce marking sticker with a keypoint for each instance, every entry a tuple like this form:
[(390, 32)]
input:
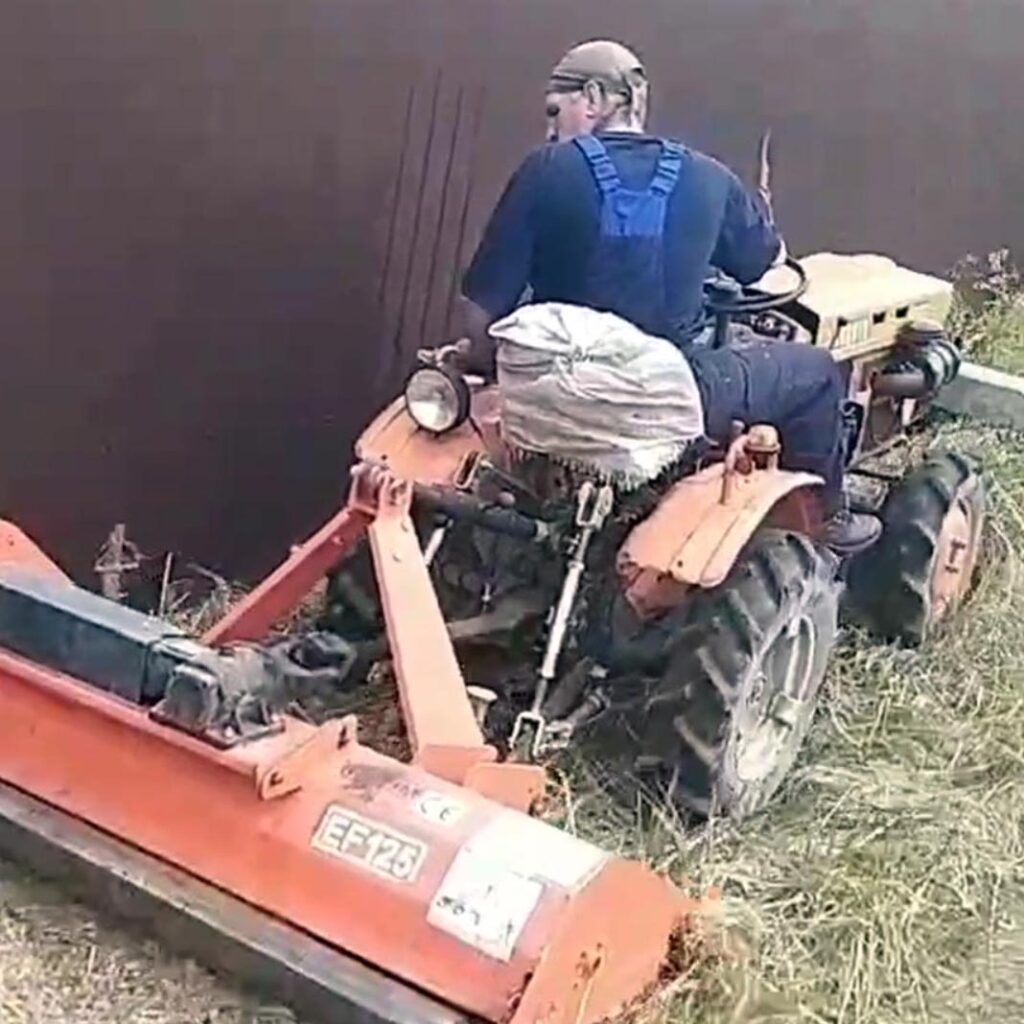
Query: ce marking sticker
[(437, 808), (370, 845)]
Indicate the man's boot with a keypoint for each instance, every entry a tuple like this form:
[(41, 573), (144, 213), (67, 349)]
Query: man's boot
[(848, 533)]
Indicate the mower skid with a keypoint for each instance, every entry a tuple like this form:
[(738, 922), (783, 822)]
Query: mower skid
[(280, 962)]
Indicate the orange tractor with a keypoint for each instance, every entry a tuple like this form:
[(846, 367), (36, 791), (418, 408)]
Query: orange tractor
[(689, 617), (693, 612)]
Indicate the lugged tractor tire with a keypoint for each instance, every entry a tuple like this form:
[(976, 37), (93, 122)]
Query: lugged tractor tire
[(727, 719), (919, 572)]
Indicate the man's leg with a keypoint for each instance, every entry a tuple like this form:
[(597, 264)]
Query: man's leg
[(798, 389)]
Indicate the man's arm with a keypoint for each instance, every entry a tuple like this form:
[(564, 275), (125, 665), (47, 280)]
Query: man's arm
[(748, 244), (477, 349), (500, 269)]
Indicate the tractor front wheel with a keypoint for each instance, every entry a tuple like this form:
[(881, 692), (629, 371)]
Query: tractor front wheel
[(731, 711), (919, 572)]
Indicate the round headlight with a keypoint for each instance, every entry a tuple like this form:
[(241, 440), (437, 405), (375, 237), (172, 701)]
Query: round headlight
[(437, 399)]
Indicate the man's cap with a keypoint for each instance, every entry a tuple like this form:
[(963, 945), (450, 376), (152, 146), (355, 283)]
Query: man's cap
[(601, 60)]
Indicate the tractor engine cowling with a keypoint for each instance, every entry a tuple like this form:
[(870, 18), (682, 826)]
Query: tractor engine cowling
[(856, 305)]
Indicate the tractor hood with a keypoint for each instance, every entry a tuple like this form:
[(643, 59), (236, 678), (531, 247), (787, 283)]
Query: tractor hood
[(855, 304)]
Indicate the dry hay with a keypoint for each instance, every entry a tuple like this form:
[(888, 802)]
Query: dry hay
[(61, 964)]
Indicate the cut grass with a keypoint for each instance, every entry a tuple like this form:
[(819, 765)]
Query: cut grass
[(61, 963)]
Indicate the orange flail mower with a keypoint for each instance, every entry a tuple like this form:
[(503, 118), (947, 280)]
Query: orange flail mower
[(431, 871)]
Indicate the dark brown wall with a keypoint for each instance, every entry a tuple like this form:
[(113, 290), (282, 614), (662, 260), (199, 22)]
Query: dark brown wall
[(206, 284)]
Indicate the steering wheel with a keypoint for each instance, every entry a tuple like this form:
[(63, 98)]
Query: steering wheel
[(725, 297)]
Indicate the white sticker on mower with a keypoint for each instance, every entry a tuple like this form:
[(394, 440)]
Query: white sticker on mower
[(437, 808), (349, 836), (540, 851), (484, 904), (499, 876)]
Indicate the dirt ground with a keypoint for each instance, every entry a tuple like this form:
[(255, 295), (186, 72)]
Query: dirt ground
[(61, 963)]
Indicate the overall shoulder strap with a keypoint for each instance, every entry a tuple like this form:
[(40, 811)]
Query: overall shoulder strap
[(600, 162), (666, 174)]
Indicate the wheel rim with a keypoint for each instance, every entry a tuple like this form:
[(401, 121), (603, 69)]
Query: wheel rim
[(776, 704), (956, 552)]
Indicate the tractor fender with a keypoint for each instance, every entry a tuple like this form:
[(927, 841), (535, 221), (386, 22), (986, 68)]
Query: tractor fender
[(696, 533)]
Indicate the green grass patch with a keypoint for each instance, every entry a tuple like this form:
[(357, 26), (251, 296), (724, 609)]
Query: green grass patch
[(988, 312)]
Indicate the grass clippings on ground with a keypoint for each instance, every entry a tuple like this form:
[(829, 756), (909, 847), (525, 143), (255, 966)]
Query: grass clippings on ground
[(60, 963)]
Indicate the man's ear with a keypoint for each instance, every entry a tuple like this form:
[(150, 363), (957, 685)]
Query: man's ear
[(594, 94)]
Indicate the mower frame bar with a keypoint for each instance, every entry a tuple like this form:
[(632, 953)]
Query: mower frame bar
[(284, 589)]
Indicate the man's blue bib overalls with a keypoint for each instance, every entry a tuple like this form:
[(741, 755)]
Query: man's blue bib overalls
[(795, 387), (626, 270)]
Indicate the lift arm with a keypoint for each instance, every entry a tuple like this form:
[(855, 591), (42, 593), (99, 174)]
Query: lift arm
[(443, 731)]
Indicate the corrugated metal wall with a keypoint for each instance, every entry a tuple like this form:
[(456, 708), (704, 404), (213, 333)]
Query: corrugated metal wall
[(225, 224)]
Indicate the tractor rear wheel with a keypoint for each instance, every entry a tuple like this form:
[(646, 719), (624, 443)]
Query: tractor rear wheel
[(731, 711), (921, 569)]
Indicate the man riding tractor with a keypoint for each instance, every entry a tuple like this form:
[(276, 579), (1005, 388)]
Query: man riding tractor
[(624, 531), (608, 217)]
